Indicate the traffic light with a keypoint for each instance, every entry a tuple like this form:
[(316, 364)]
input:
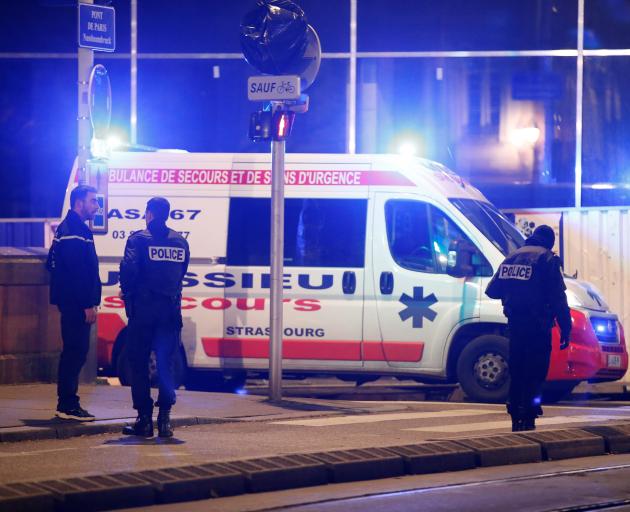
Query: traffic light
[(265, 125), (282, 124), (260, 126)]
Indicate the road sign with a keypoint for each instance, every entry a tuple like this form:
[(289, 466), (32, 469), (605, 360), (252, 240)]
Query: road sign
[(277, 88), (97, 27), (100, 101)]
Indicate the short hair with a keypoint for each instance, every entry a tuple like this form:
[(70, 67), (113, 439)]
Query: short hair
[(159, 207), (79, 193)]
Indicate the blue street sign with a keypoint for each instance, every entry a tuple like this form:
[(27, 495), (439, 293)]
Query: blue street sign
[(97, 27)]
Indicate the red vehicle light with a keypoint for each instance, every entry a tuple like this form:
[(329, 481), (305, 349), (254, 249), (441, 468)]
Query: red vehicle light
[(586, 358)]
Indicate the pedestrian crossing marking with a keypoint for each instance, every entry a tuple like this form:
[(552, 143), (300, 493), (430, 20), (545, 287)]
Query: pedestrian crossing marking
[(507, 424), (374, 418)]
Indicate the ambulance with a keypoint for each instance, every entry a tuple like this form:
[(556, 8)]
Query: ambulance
[(386, 260)]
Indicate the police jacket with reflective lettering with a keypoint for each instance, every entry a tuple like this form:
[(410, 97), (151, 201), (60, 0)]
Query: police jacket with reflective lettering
[(73, 265), (156, 260), (530, 285)]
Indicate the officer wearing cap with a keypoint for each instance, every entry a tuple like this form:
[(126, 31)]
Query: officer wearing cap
[(151, 273), (530, 285)]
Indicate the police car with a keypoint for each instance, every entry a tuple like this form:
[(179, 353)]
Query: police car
[(385, 265)]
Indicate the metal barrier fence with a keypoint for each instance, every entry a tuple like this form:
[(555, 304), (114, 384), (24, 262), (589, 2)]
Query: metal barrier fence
[(27, 232)]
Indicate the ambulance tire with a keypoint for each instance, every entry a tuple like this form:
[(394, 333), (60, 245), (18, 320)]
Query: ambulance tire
[(482, 369), (123, 365)]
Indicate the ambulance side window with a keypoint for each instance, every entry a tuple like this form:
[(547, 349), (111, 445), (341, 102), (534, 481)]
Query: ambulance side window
[(408, 234), (419, 235), (443, 232), (317, 232)]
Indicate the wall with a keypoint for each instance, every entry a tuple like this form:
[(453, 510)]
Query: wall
[(30, 340), (597, 246)]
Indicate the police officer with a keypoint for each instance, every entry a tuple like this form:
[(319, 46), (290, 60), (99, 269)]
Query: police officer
[(151, 273), (530, 285), (75, 287)]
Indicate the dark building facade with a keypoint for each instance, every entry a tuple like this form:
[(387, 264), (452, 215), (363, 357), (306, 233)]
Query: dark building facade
[(508, 93)]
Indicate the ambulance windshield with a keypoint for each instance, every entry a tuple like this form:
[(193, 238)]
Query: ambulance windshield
[(492, 223)]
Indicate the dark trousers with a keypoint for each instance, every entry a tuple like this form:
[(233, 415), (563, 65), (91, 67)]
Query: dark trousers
[(75, 333), (155, 324), (530, 351)]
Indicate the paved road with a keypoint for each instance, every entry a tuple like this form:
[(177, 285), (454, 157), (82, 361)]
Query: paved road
[(542, 487), (404, 422)]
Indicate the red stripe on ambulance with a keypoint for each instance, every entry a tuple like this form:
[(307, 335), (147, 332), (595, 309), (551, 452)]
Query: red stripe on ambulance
[(323, 350)]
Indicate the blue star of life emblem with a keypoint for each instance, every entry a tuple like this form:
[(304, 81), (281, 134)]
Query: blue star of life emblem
[(418, 307)]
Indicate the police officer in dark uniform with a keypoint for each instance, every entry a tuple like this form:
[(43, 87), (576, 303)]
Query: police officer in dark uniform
[(530, 285), (75, 287), (151, 273)]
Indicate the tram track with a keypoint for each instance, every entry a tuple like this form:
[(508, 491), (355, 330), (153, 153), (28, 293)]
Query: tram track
[(487, 487)]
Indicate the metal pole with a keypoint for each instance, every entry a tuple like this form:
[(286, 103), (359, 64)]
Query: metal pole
[(579, 97), (277, 269), (351, 120), (86, 62), (133, 105)]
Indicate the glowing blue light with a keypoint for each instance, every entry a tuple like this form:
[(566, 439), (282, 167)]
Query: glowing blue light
[(99, 148), (241, 391), (605, 329), (407, 149), (537, 400)]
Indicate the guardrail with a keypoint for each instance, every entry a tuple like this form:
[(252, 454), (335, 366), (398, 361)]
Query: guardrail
[(27, 232)]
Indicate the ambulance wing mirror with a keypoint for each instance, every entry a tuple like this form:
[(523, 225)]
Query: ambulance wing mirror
[(460, 259)]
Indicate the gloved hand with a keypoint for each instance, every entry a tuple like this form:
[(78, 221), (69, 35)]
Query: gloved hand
[(564, 340)]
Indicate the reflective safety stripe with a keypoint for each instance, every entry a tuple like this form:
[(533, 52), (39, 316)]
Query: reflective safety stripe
[(70, 237)]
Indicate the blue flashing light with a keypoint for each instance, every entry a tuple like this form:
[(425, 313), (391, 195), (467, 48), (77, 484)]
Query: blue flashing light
[(241, 391), (605, 329)]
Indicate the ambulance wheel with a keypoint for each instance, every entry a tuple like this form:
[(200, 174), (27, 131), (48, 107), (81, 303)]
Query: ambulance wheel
[(482, 369), (123, 367)]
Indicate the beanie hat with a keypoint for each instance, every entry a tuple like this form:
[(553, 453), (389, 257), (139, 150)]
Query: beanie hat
[(544, 236)]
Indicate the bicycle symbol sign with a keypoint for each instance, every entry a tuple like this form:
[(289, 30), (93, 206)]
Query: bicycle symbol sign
[(284, 87)]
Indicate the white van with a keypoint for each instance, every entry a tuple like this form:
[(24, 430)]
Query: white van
[(370, 288)]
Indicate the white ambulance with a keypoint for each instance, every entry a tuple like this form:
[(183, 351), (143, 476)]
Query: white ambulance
[(370, 287)]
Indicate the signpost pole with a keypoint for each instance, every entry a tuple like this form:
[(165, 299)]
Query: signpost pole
[(86, 61), (277, 265)]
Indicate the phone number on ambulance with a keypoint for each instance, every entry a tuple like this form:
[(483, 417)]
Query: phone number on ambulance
[(121, 234)]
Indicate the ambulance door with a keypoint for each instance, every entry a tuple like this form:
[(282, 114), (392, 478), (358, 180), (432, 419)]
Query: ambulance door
[(198, 215), (324, 251), (418, 304), (203, 295), (324, 256)]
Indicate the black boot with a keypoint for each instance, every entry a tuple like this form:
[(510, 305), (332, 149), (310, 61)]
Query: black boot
[(529, 424), (164, 423), (142, 427), (517, 425)]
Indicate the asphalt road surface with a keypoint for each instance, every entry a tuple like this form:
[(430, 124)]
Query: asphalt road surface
[(397, 423)]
